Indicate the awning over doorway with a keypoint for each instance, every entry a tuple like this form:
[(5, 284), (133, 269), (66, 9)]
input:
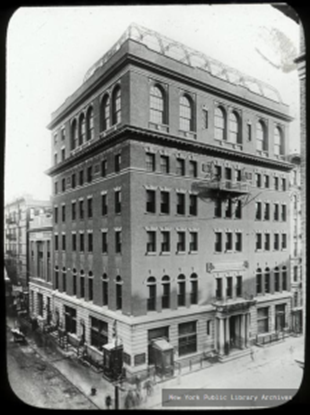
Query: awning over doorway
[(162, 344)]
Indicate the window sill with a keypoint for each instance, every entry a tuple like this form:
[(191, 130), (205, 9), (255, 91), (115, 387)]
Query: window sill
[(180, 252), (151, 253), (193, 252), (149, 213), (164, 253)]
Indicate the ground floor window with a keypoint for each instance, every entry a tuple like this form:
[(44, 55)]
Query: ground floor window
[(98, 333), (40, 304), (262, 320), (280, 317), (70, 319), (187, 338)]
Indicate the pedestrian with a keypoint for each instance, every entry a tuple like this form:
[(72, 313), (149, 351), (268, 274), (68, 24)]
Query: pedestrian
[(108, 401), (252, 354)]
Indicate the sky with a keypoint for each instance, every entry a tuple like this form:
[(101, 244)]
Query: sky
[(50, 49)]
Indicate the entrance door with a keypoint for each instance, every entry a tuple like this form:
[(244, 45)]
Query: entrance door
[(160, 332), (280, 317)]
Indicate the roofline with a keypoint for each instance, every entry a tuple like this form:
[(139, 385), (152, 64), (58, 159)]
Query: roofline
[(128, 132), (130, 58)]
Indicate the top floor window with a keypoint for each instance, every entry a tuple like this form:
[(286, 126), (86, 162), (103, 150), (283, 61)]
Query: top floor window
[(220, 123), (157, 105), (116, 105), (261, 136), (74, 135), (105, 113), (82, 129), (234, 128), (164, 164), (90, 124), (186, 114), (150, 161), (180, 167), (278, 142)]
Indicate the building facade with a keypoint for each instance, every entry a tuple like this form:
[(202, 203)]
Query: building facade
[(171, 205), (18, 215), (40, 268)]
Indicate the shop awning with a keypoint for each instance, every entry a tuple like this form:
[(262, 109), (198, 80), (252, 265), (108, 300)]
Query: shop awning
[(162, 344)]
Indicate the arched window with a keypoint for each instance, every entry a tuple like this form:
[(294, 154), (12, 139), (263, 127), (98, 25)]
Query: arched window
[(119, 294), (64, 279), (151, 300), (194, 288), (104, 289), (284, 278), (116, 105), (105, 113), (261, 136), (56, 277), (74, 135), (234, 128), (157, 105), (90, 123), (258, 281), (90, 286), (278, 142), (82, 284), (165, 302), (276, 279), (82, 129), (267, 280), (220, 124), (181, 290), (186, 113)]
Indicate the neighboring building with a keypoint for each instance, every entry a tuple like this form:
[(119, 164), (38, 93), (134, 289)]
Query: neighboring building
[(18, 214), (40, 268), (171, 205)]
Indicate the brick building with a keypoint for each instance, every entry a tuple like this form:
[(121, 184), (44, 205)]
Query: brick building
[(18, 215), (40, 268), (171, 205)]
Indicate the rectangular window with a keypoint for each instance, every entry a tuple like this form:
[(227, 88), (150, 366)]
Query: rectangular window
[(249, 132), (192, 168), (193, 241), (228, 208), (181, 293), (258, 241), (70, 320), (82, 287), (218, 242), (151, 201), (104, 168), (295, 273), (90, 242), (276, 280), (81, 207), (90, 289), (151, 301), (90, 207), (56, 242), (56, 214), (74, 242), (56, 280), (151, 241), (238, 243), (164, 202), (165, 245), (181, 244), (63, 242), (81, 242), (218, 172), (284, 241), (118, 241), (258, 180), (267, 242), (74, 284), (276, 211), (218, 208), (258, 210), (81, 177), (238, 209), (187, 340), (64, 282), (63, 185), (63, 213), (55, 188), (89, 174), (229, 290), (266, 181), (193, 204), (150, 161), (239, 286), (104, 205), (180, 203), (166, 295), (117, 163), (99, 333), (164, 164), (262, 320), (267, 211), (194, 291), (229, 245), (118, 201), (283, 185), (73, 181), (205, 118), (63, 154), (119, 297), (259, 282), (228, 173), (283, 213), (237, 175), (180, 167), (276, 241), (276, 183), (73, 210), (55, 158), (218, 289), (104, 292), (104, 239)]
